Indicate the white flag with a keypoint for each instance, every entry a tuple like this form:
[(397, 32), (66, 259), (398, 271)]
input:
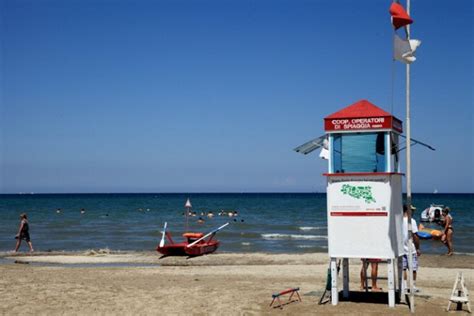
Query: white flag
[(188, 203), (404, 50)]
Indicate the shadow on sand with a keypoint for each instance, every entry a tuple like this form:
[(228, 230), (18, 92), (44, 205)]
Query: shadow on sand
[(367, 297)]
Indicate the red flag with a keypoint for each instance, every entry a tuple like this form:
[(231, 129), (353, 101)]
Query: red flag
[(400, 17)]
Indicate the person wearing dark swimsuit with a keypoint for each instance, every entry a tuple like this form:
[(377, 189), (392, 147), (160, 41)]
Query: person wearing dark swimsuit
[(23, 233), (447, 237)]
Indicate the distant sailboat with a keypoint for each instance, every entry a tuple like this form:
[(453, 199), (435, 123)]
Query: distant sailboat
[(435, 191)]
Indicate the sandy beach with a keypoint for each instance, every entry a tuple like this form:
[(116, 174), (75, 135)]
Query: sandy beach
[(100, 282)]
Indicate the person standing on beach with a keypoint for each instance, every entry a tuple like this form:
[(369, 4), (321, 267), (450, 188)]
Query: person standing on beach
[(447, 237), (374, 265), (23, 233), (415, 252)]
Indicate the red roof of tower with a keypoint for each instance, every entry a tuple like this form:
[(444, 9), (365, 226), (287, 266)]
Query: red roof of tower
[(362, 108), (361, 116)]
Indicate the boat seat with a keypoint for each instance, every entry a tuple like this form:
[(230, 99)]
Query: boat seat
[(193, 235)]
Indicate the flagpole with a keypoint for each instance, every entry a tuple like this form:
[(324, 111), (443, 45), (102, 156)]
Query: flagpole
[(188, 208), (408, 176)]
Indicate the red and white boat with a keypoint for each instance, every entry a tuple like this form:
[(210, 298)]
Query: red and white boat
[(195, 244), (188, 247)]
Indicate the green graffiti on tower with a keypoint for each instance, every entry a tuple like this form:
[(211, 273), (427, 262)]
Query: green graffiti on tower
[(359, 192)]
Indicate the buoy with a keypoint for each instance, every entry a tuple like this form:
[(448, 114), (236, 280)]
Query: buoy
[(436, 234), (424, 235)]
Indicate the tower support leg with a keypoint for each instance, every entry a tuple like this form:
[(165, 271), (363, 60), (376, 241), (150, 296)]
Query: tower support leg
[(334, 291), (401, 296), (345, 275), (391, 282)]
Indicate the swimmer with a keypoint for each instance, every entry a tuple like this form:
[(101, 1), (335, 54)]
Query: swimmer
[(200, 220), (210, 214), (83, 211), (58, 210)]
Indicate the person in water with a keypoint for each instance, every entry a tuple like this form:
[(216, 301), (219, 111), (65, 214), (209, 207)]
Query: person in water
[(23, 233), (447, 237)]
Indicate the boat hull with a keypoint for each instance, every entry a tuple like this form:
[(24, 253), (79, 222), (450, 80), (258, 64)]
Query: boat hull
[(181, 249), (202, 248), (173, 249)]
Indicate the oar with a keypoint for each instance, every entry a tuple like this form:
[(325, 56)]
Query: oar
[(162, 241), (212, 232)]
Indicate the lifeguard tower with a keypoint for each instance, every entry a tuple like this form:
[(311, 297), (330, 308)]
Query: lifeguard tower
[(364, 189)]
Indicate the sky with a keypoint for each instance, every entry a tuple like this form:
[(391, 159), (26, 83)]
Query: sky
[(212, 96)]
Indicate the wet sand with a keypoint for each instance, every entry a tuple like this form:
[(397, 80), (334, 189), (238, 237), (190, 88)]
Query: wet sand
[(219, 284)]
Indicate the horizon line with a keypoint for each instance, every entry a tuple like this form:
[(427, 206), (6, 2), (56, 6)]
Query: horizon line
[(211, 192)]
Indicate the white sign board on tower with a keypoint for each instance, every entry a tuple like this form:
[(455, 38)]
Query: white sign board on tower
[(362, 216)]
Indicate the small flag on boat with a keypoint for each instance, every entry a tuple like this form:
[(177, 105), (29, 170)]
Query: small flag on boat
[(188, 203), (404, 50), (400, 17)]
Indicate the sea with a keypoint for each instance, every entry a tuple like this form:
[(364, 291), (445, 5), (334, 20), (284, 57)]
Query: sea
[(266, 222)]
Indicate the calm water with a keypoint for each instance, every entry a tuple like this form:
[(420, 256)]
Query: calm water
[(290, 223)]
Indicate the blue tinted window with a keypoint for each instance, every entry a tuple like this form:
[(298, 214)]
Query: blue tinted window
[(364, 152)]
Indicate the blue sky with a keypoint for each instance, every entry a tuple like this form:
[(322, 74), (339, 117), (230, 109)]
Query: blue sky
[(212, 96)]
